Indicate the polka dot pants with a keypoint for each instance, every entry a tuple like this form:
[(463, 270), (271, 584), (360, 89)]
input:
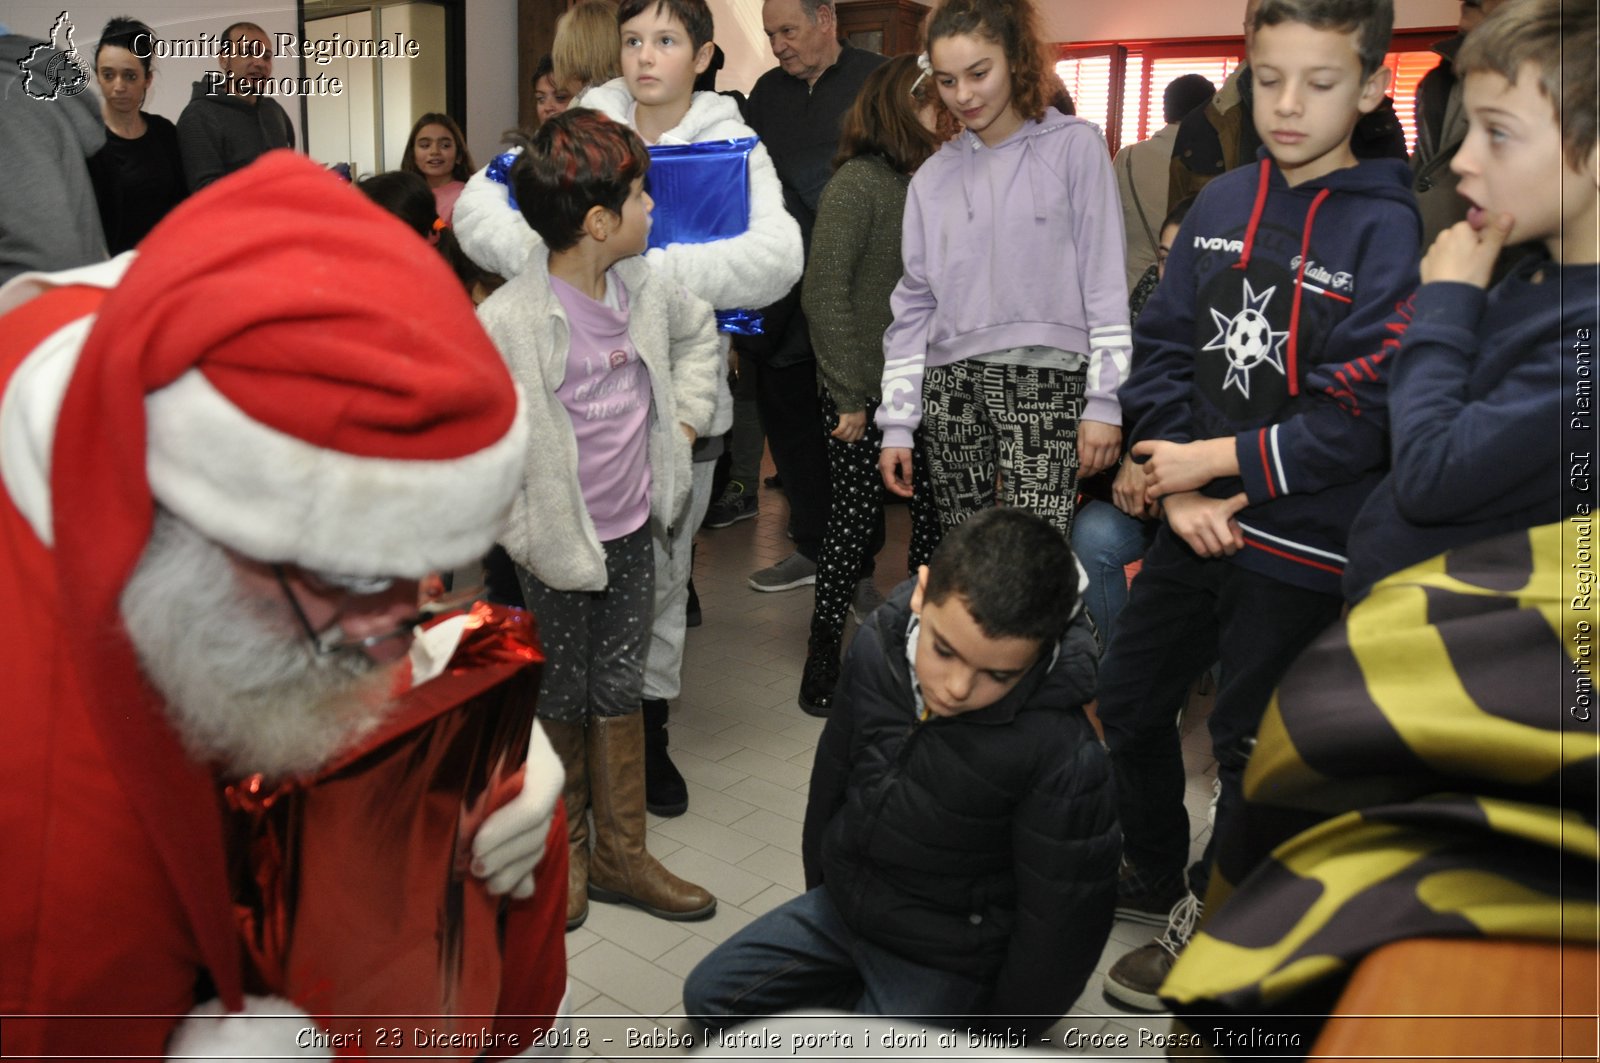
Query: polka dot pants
[(594, 641)]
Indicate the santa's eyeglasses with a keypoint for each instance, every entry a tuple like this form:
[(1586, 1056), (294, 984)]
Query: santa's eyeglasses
[(331, 639)]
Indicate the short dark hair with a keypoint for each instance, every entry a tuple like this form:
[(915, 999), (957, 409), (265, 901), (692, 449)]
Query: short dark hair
[(546, 68), (405, 195), (227, 36), (693, 15), (578, 160), (1558, 38), (125, 32), (1012, 569), (1184, 94), (1179, 211), (1371, 20)]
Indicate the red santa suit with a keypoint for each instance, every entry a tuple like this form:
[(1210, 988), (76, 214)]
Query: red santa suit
[(288, 369)]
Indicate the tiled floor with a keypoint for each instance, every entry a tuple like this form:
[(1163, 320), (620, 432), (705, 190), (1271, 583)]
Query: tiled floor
[(746, 749)]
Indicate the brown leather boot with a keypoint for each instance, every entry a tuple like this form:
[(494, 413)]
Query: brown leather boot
[(568, 741), (622, 871)]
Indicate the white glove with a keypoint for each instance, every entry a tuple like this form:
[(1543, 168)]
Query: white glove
[(511, 841)]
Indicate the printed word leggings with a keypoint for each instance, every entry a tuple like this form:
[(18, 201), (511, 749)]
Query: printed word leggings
[(985, 422)]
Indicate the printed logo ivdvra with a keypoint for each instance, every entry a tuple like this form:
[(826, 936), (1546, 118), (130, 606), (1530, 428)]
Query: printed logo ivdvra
[(55, 69)]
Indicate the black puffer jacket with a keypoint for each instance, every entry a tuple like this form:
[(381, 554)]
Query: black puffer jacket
[(985, 842)]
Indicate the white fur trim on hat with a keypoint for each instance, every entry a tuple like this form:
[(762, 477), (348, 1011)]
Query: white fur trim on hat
[(273, 497), (28, 413), (25, 286), (267, 1028)]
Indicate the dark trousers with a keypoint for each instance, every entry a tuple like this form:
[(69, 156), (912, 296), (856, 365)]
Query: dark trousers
[(855, 525), (787, 399), (1184, 612)]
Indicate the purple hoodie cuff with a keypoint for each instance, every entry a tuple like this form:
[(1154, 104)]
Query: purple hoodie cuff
[(896, 436), (1104, 410)]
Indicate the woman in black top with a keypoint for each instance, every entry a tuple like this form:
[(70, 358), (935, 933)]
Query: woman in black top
[(138, 175)]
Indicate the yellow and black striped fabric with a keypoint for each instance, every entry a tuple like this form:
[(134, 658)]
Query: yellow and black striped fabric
[(1428, 767)]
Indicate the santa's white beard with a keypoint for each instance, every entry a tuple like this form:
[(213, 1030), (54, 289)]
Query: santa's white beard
[(241, 686)]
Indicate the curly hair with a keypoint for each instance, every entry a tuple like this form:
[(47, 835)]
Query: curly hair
[(1014, 26), (578, 160)]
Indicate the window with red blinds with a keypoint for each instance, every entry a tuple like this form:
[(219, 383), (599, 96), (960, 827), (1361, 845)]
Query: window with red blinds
[(1119, 87)]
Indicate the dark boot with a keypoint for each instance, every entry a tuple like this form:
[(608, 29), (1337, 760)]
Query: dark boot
[(665, 792), (692, 617), (621, 870), (567, 739), (818, 678)]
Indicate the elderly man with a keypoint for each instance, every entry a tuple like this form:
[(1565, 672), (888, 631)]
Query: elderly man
[(797, 111), (228, 123), (218, 510)]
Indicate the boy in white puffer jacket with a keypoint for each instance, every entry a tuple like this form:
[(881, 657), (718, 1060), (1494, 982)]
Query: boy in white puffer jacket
[(665, 44)]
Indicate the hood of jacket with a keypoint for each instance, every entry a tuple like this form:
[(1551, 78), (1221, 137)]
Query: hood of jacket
[(1015, 159), (1063, 677), (711, 115)]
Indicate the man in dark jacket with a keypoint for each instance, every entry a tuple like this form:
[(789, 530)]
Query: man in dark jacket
[(228, 123), (798, 110), (960, 845)]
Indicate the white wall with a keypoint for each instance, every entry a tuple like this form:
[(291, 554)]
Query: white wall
[(491, 75)]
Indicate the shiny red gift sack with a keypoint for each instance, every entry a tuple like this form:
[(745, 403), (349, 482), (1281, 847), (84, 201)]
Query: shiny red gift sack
[(352, 889)]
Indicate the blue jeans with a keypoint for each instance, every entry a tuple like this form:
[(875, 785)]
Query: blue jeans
[(1105, 540), (801, 956)]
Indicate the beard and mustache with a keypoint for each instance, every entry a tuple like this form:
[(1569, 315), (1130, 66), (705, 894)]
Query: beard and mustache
[(240, 684)]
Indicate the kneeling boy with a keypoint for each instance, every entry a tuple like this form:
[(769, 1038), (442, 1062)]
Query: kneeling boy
[(960, 846)]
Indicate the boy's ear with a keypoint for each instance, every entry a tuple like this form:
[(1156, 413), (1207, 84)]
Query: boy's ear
[(922, 586), (1373, 92), (599, 223), (702, 58)]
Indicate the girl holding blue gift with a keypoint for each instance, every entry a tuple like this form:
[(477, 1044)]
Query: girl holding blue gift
[(1010, 334)]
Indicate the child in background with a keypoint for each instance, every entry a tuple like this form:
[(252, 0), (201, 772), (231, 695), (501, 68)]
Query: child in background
[(959, 845), (549, 98), (1488, 438), (854, 266), (437, 151), (1113, 528), (1010, 334), (666, 44), (1256, 404), (618, 366)]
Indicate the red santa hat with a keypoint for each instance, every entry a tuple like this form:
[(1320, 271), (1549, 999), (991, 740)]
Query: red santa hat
[(291, 370)]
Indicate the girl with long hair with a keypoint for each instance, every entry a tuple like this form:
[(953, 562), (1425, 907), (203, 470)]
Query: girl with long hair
[(1010, 334)]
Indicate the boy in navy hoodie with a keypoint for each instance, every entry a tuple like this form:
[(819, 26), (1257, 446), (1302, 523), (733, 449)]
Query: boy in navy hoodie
[(1256, 408), (1490, 405)]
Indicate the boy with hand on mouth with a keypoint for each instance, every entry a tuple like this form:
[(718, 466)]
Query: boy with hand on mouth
[(1492, 431), (960, 847)]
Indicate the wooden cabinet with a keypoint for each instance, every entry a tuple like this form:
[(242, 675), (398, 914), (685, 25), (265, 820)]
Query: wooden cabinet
[(889, 27)]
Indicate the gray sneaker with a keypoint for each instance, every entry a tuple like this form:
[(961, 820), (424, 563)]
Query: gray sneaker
[(793, 571), (865, 601)]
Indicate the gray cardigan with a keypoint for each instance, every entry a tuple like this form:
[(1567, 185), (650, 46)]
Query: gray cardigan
[(550, 532)]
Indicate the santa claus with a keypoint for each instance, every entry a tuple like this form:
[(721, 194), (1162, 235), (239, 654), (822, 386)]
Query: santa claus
[(228, 458)]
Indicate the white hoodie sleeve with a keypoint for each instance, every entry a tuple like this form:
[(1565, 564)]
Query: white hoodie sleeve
[(905, 342), (750, 270), (492, 232)]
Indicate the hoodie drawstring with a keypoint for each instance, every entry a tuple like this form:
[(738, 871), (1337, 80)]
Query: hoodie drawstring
[(1255, 216), (1293, 362)]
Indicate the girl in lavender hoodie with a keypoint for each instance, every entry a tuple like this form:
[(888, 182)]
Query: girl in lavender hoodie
[(1010, 333)]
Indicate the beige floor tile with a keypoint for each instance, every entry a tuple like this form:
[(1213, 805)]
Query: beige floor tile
[(640, 933), (761, 766), (704, 836), (770, 796), (771, 828), (638, 985), (729, 884), (777, 865)]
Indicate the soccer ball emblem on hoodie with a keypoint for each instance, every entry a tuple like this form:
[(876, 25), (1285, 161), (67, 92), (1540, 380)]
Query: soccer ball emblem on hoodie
[(1247, 340)]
